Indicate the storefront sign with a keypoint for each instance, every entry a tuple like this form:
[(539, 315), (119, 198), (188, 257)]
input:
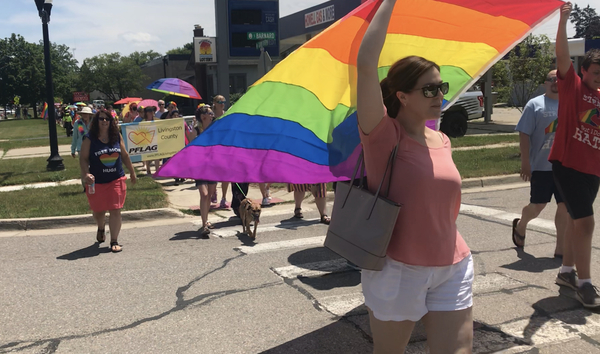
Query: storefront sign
[(205, 50), (326, 14), (81, 97), (154, 140)]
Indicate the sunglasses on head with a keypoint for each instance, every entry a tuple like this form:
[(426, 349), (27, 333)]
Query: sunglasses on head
[(431, 90), (105, 119), (551, 79)]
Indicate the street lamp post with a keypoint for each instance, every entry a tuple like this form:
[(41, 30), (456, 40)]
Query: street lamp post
[(55, 162)]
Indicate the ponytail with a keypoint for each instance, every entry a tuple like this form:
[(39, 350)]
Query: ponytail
[(391, 102)]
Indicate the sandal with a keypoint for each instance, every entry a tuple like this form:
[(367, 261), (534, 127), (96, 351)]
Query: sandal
[(325, 219), (100, 236), (516, 236), (209, 225), (298, 213), (115, 247), (204, 231)]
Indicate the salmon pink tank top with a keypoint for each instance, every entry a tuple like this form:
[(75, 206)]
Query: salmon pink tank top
[(427, 184)]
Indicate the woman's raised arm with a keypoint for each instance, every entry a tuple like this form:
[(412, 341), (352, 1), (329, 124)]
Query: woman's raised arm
[(369, 102)]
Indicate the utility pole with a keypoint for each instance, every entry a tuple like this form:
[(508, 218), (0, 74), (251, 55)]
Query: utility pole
[(222, 22)]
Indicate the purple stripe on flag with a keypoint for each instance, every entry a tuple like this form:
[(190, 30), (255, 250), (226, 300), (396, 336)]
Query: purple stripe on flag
[(253, 166)]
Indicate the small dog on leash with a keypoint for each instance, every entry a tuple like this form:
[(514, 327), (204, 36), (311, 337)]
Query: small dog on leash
[(249, 211)]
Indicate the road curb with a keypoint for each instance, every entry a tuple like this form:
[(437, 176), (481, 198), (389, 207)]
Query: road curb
[(481, 182), (57, 222)]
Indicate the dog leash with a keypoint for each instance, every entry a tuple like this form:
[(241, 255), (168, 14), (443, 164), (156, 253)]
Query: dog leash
[(241, 191)]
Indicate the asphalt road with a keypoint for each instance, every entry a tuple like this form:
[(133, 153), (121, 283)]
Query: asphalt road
[(171, 291)]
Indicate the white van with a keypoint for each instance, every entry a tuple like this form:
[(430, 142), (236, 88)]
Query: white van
[(98, 103)]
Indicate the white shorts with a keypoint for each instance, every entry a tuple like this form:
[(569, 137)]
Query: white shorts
[(401, 292)]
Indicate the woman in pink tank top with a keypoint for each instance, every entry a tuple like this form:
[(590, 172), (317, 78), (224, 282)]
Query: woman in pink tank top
[(428, 274)]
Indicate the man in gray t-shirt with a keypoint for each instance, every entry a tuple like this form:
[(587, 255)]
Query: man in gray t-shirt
[(536, 134)]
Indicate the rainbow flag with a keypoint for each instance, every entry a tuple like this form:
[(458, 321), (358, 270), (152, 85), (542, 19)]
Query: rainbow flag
[(297, 124), (45, 111), (591, 117)]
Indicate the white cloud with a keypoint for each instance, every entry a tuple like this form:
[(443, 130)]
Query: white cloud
[(139, 38)]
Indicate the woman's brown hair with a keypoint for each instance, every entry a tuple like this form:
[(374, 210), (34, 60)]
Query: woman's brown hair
[(113, 129), (403, 76)]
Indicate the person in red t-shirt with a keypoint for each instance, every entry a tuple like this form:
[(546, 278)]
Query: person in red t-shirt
[(574, 156)]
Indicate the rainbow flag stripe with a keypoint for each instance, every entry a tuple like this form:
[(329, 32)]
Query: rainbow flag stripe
[(45, 111), (588, 117), (552, 127), (297, 124)]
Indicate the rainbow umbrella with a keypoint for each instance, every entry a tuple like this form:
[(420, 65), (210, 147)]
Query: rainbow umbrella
[(298, 124), (148, 102), (127, 100), (80, 104), (173, 86)]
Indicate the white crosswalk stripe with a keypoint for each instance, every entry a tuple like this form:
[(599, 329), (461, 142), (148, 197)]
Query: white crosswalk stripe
[(502, 215), (234, 230), (316, 269), (280, 245)]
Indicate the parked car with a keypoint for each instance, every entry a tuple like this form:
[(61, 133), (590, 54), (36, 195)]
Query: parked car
[(468, 106)]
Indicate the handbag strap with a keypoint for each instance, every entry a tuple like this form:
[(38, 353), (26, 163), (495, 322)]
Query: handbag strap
[(360, 162), (390, 167)]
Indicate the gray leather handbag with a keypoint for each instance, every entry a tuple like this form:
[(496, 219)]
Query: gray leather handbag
[(362, 222)]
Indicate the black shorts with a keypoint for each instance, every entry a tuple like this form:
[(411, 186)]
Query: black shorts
[(578, 190), (200, 182), (543, 188)]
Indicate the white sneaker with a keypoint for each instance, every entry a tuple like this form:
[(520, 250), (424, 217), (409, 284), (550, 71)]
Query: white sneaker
[(265, 202)]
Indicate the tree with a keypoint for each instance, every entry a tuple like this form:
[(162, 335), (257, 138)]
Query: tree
[(141, 58), (113, 75), (187, 48), (23, 72), (593, 30), (64, 71), (586, 22), (529, 63)]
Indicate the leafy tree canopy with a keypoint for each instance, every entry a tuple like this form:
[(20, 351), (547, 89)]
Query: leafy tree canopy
[(188, 48), (586, 22)]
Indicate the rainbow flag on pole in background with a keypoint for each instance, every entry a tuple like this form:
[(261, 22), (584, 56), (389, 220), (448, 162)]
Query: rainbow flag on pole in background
[(298, 124), (45, 111)]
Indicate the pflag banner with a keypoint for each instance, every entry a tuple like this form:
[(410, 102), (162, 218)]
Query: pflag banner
[(153, 140)]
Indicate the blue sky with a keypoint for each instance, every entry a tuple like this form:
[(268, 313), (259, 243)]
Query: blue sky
[(92, 27)]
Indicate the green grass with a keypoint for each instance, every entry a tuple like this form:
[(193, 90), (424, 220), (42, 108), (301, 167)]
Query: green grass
[(17, 144), (487, 162), (32, 170), (484, 140), (25, 128), (70, 200)]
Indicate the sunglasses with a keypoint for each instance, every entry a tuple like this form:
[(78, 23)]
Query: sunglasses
[(161, 104), (431, 91), (551, 79), (105, 119), (221, 102), (209, 113)]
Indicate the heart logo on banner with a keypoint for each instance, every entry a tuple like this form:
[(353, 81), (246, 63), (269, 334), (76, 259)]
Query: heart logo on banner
[(140, 137)]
